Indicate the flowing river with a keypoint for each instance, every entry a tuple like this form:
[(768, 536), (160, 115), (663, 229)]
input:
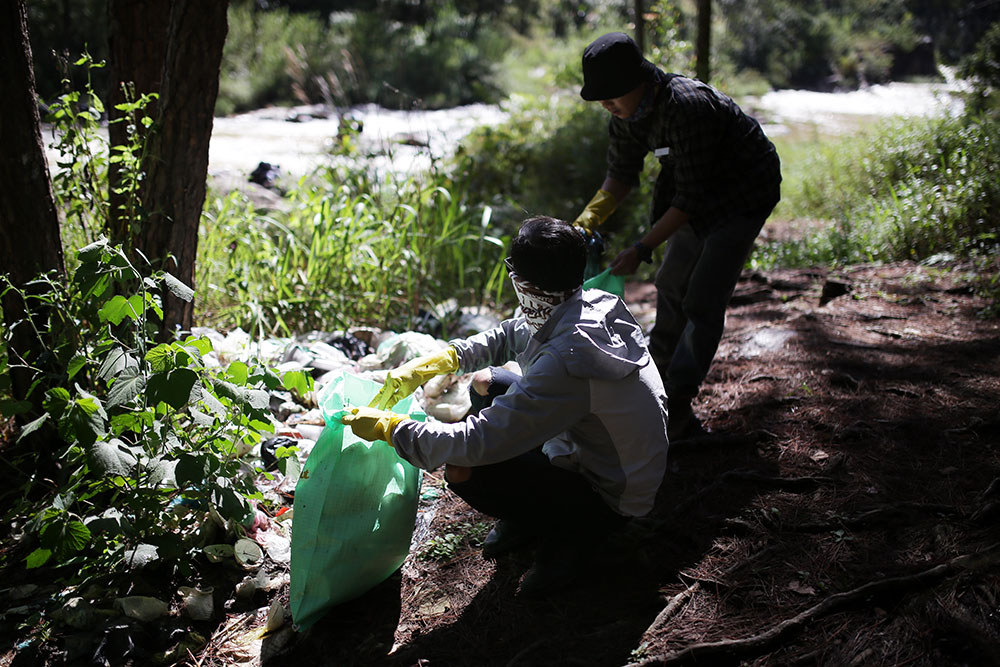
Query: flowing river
[(299, 139)]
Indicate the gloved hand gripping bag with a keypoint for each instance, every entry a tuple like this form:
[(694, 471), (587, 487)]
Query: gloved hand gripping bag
[(354, 510)]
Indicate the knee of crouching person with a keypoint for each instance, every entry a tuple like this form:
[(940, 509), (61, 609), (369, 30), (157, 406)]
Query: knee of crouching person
[(456, 474)]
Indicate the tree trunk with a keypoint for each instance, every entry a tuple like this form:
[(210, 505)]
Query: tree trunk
[(137, 47), (640, 25), (29, 225), (703, 46), (177, 168)]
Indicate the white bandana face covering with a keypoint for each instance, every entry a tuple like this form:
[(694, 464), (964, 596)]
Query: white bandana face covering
[(536, 304)]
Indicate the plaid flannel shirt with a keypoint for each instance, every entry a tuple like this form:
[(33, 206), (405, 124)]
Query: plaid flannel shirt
[(715, 159)]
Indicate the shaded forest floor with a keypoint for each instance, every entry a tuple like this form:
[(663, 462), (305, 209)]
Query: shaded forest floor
[(843, 511)]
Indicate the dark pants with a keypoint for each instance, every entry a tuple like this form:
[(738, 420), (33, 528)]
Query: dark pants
[(529, 490)]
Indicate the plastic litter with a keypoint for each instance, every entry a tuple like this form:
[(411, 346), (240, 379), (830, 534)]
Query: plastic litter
[(142, 608), (607, 282), (354, 509), (248, 553), (197, 603)]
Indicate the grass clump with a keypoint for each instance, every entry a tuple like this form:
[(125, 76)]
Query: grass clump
[(350, 251), (905, 189)]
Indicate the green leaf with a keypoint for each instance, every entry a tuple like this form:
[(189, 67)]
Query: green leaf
[(9, 407), (258, 399), (130, 383), (109, 459), (229, 390), (172, 388), (200, 343), (268, 377), (201, 419), (178, 288), (213, 404), (190, 470), (161, 357), (92, 252), (32, 426), (85, 420), (133, 421), (37, 558), (63, 536), (238, 372), (117, 361), (231, 504), (299, 382), (75, 364), (56, 400), (115, 310)]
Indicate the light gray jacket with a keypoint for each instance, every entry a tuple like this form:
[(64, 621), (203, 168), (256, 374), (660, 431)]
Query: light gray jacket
[(589, 391)]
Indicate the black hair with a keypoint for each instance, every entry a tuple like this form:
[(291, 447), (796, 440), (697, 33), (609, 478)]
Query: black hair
[(549, 253)]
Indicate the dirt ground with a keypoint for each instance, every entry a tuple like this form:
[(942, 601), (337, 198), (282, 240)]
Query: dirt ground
[(843, 511)]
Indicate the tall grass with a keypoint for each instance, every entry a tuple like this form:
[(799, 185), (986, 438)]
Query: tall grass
[(905, 189), (349, 252)]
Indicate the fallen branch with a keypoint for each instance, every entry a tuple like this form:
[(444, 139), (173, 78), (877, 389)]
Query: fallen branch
[(730, 651)]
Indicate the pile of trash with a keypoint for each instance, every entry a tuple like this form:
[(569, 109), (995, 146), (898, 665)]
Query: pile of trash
[(369, 353)]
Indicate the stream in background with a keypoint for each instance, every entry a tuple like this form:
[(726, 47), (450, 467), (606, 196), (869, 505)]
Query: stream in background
[(300, 139)]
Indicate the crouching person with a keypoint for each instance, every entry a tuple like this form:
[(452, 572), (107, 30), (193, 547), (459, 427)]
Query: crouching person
[(564, 454)]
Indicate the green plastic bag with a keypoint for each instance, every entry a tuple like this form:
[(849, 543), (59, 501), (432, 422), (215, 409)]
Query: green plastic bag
[(607, 282), (354, 510)]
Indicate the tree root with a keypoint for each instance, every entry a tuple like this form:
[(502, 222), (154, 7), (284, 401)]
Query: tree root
[(730, 651), (792, 484), (892, 514)]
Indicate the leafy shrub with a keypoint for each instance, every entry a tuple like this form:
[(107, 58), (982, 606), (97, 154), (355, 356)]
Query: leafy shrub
[(143, 442), (150, 437)]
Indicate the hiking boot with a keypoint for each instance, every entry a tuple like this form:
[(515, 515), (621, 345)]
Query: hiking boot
[(506, 536), (682, 424)]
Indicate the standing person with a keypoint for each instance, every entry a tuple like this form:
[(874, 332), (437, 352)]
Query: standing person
[(719, 180), (562, 454)]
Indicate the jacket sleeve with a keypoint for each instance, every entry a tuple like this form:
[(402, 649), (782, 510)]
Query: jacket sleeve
[(493, 347), (543, 404)]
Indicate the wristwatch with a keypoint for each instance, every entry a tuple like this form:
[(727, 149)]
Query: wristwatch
[(644, 251)]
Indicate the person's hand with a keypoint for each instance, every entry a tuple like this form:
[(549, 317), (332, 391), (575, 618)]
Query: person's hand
[(626, 262), (403, 381), (372, 424), (596, 212)]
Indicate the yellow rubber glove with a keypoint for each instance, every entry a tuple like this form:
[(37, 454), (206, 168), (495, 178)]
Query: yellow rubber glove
[(403, 381), (597, 211), (371, 424)]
